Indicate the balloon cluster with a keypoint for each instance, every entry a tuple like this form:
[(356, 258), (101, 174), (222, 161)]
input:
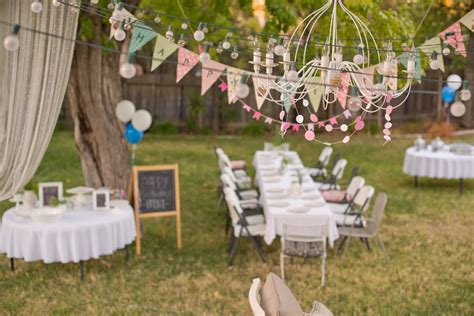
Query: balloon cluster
[(136, 122), (448, 94)]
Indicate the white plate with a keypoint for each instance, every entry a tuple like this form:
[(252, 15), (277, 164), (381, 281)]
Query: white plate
[(271, 180), (314, 204), (47, 214), (276, 197), (275, 190), (302, 209), (278, 204), (23, 212), (80, 190), (309, 189), (311, 197)]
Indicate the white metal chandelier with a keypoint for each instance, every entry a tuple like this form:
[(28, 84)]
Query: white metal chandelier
[(329, 70)]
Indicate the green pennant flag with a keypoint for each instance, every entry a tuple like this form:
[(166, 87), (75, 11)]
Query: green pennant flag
[(418, 71), (433, 45), (163, 49), (315, 91), (141, 35)]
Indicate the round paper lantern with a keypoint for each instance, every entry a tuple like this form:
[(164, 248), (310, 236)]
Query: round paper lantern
[(448, 94), (454, 82), (125, 110), (457, 109), (141, 120), (132, 135), (309, 135)]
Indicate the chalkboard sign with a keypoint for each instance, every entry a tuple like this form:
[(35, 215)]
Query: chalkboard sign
[(101, 199), (50, 190), (157, 191), (155, 194)]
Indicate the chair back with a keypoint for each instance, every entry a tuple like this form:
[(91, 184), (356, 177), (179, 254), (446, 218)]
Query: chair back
[(373, 225), (254, 298), (228, 171), (325, 156), (227, 182), (304, 232), (338, 169), (355, 185), (363, 197), (354, 173), (233, 206)]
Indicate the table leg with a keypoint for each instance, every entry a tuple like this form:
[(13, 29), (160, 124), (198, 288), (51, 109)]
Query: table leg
[(12, 264), (461, 186), (416, 182), (81, 266)]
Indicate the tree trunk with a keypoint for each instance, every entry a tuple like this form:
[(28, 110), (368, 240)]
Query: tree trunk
[(95, 88)]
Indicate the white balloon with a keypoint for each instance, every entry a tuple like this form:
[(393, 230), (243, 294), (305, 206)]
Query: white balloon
[(125, 110), (454, 82), (141, 120), (457, 109)]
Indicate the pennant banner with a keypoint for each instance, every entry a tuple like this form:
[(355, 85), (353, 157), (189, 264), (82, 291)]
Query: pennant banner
[(344, 89), (418, 71), (211, 71), (186, 62), (163, 49), (433, 45), (468, 20), (455, 40), (315, 91), (127, 15), (233, 78), (141, 35), (261, 92)]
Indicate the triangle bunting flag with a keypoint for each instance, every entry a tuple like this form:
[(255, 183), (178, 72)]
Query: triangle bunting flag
[(211, 71), (187, 60)]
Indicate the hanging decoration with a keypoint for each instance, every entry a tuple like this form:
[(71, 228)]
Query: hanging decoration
[(432, 48), (211, 71), (163, 49), (234, 77), (187, 60), (453, 36), (141, 35), (468, 20)]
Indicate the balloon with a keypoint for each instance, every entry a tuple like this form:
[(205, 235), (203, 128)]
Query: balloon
[(141, 120), (457, 109), (448, 94), (125, 110), (454, 82), (132, 135)]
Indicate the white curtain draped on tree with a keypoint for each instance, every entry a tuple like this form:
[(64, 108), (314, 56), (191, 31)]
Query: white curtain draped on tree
[(33, 82)]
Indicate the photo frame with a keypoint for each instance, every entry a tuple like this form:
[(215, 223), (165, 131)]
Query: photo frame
[(101, 200), (49, 190)]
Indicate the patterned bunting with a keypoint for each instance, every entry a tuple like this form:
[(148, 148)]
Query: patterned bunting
[(315, 91), (141, 35), (343, 89), (261, 92), (455, 40), (127, 15), (211, 71), (234, 75), (186, 62), (468, 20), (433, 45), (163, 50), (418, 71)]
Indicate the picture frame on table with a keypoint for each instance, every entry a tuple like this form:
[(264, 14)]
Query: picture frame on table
[(48, 191), (101, 200)]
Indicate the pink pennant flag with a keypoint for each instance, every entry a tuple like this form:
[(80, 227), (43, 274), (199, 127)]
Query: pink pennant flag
[(256, 116), (186, 62), (286, 125), (347, 114), (211, 71), (296, 128), (246, 108), (223, 86), (268, 120), (343, 89), (320, 124), (333, 121), (455, 39)]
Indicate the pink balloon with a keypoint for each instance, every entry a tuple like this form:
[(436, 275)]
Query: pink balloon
[(313, 118), (359, 125), (309, 135)]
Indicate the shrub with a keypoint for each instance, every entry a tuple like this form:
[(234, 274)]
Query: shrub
[(254, 129), (166, 128)]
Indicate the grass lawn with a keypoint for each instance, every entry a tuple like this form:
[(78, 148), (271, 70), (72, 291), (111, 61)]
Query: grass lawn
[(428, 233)]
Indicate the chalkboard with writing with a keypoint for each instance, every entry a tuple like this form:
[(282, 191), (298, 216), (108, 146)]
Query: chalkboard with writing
[(156, 191), (50, 190)]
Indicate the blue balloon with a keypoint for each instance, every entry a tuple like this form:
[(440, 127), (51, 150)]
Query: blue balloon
[(132, 135), (448, 94)]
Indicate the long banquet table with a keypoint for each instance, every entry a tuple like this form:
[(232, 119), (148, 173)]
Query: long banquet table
[(274, 183)]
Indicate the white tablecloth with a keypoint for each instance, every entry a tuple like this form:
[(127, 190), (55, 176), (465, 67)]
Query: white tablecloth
[(442, 164), (79, 235), (268, 178)]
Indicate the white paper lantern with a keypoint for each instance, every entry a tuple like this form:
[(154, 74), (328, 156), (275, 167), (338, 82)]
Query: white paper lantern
[(454, 82), (457, 109), (128, 71), (141, 120), (125, 110)]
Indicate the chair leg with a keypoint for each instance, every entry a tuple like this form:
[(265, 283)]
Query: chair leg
[(282, 266), (366, 241), (259, 250), (219, 201), (323, 270), (235, 244), (346, 245), (227, 224), (342, 244), (379, 239)]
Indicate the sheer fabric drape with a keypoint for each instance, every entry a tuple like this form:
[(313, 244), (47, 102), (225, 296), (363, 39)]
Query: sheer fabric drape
[(33, 83)]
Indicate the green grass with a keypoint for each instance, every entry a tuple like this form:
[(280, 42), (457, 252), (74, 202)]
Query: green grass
[(428, 233)]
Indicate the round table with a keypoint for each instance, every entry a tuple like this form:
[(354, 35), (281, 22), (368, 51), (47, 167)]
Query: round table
[(440, 165), (79, 235)]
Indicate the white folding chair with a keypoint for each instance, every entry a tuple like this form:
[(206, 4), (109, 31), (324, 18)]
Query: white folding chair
[(344, 197), (320, 169), (353, 215), (336, 174), (254, 298), (295, 244)]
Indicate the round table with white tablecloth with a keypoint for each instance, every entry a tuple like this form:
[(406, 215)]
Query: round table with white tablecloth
[(79, 235), (442, 164)]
